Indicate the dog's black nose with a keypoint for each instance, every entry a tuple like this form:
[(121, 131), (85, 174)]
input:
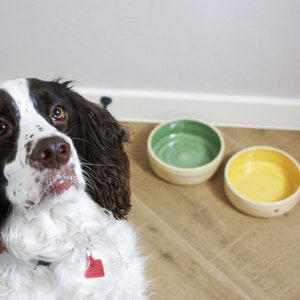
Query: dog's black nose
[(51, 152)]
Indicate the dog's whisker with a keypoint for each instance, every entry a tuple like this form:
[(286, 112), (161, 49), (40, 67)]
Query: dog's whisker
[(96, 165)]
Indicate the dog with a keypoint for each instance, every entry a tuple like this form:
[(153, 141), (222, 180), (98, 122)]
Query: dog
[(64, 198)]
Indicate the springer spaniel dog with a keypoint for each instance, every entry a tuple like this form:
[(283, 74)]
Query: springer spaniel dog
[(64, 197)]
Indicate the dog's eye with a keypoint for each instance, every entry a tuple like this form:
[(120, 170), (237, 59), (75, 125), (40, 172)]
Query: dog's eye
[(59, 114), (4, 128)]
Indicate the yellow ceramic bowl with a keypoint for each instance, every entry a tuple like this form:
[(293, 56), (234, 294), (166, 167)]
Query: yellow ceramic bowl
[(185, 151), (262, 181)]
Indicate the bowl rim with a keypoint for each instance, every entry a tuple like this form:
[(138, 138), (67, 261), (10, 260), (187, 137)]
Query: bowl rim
[(248, 200), (178, 169)]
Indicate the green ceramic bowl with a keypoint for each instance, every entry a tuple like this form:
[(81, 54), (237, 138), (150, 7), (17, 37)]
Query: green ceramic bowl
[(185, 151)]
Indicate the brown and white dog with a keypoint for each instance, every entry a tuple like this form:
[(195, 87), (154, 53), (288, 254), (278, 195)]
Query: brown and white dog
[(64, 197)]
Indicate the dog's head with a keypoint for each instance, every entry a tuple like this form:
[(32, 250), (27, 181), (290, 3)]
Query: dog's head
[(52, 140)]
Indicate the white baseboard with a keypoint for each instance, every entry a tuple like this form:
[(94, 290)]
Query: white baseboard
[(221, 110)]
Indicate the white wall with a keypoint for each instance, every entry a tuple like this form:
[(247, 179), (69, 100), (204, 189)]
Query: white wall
[(246, 47)]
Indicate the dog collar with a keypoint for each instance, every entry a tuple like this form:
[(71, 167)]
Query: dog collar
[(43, 263), (94, 267), (40, 262)]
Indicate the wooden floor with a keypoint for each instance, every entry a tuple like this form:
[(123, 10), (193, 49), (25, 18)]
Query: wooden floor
[(199, 246)]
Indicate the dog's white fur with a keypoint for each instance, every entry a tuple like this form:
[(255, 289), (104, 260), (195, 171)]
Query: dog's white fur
[(63, 230)]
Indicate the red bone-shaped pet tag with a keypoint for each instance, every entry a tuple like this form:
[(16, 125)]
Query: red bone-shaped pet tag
[(94, 268)]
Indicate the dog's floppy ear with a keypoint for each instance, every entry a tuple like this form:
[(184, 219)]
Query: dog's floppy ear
[(100, 145)]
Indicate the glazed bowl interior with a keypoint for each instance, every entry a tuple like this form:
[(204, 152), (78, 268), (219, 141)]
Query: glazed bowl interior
[(263, 175), (186, 144)]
